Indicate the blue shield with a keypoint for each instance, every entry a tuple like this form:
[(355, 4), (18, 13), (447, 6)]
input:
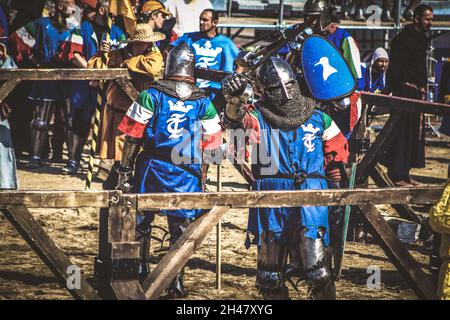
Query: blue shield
[(325, 70)]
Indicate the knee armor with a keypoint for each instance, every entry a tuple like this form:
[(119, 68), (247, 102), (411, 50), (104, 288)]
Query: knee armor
[(270, 277)]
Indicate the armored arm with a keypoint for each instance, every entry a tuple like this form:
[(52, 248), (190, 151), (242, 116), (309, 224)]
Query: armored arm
[(234, 88), (130, 151)]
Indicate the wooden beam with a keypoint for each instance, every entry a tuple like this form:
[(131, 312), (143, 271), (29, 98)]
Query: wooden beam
[(64, 74), (377, 148), (398, 254), (405, 104), (55, 199), (128, 88), (7, 87), (382, 180), (47, 250), (277, 199), (176, 258)]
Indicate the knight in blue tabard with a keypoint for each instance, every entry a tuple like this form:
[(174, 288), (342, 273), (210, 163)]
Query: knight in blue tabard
[(49, 96), (294, 147), (346, 112), (176, 121), (212, 51), (82, 45)]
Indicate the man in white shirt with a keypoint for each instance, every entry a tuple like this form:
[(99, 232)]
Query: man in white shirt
[(186, 13)]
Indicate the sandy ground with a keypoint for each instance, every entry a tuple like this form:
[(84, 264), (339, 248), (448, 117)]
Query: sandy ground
[(24, 276)]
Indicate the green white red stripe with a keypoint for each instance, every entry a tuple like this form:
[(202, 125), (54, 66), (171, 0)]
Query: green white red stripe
[(212, 131), (335, 145), (137, 117), (22, 41), (351, 55)]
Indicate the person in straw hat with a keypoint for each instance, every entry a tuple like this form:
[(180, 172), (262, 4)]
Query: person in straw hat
[(144, 62)]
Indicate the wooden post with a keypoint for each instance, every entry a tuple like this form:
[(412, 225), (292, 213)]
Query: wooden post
[(117, 266), (176, 258), (55, 259), (219, 235)]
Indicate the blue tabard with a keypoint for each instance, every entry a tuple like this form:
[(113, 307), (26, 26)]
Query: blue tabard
[(300, 151)]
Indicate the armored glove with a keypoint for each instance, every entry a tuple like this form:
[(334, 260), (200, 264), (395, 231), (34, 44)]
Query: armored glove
[(333, 171), (125, 178), (234, 85)]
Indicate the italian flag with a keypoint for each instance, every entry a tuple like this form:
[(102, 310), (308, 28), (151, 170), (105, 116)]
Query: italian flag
[(137, 116), (74, 44), (22, 41), (335, 145), (212, 131), (355, 108)]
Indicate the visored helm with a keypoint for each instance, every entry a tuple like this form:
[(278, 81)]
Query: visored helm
[(180, 64), (318, 8), (282, 103), (276, 78)]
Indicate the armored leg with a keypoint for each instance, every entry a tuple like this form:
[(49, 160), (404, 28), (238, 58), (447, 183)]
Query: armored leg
[(270, 277), (75, 145), (77, 135), (315, 260), (39, 132), (143, 235), (177, 226)]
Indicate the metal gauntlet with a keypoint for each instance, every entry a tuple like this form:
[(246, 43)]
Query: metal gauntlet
[(130, 151), (236, 93)]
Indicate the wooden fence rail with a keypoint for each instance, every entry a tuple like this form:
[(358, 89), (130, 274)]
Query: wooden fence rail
[(116, 266)]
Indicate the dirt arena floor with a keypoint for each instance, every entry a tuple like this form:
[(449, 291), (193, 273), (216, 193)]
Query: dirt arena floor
[(24, 276)]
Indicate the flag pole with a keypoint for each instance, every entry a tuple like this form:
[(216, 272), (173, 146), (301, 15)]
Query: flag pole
[(96, 123)]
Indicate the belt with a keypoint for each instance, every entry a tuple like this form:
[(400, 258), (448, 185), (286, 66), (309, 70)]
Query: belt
[(298, 178), (184, 167)]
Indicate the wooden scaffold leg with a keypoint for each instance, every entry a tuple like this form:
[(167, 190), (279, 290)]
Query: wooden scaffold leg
[(117, 266)]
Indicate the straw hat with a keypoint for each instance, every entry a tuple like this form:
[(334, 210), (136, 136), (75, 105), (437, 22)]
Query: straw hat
[(144, 33)]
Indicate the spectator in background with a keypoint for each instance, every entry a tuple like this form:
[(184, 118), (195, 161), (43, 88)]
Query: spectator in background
[(156, 15), (49, 96), (374, 76), (82, 45), (25, 11), (407, 77), (8, 174), (186, 13), (212, 51)]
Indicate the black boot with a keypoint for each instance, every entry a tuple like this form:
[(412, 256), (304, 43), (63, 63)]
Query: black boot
[(75, 145)]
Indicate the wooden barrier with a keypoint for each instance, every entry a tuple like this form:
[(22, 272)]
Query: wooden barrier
[(117, 263)]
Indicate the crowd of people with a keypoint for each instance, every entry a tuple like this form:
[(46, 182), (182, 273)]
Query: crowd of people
[(160, 142)]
